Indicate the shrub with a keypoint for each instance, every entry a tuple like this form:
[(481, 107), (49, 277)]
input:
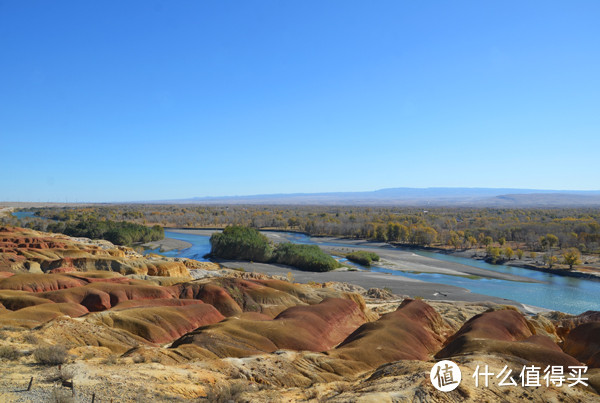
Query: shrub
[(363, 257), (50, 355), (304, 257), (241, 243), (10, 353), (117, 232), (245, 243), (110, 360), (30, 339), (60, 395), (229, 392)]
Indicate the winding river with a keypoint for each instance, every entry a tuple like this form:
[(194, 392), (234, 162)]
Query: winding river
[(566, 294)]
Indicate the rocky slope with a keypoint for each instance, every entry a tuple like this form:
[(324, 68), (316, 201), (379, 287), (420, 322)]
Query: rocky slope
[(139, 328)]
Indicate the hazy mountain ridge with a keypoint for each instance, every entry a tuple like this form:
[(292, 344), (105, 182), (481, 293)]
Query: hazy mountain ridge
[(471, 197)]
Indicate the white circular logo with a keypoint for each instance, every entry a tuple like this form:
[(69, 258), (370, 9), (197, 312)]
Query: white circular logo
[(445, 376)]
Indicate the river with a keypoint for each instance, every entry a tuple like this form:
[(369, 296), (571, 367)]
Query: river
[(25, 214), (566, 294)]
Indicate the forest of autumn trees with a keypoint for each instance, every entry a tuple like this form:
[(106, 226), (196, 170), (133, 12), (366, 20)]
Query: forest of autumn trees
[(512, 229)]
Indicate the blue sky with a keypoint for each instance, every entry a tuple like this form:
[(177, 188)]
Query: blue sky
[(145, 100)]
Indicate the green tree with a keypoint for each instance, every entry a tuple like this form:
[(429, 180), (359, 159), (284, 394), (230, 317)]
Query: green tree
[(243, 243), (363, 257), (393, 232), (304, 257), (381, 233)]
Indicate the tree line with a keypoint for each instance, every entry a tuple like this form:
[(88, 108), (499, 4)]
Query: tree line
[(446, 227), (118, 232)]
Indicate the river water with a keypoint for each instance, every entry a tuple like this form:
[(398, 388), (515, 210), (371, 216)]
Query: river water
[(24, 214), (566, 294)]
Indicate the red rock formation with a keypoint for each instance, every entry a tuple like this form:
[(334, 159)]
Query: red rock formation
[(153, 303), (583, 343), (210, 294), (40, 282), (101, 296), (415, 331), (568, 323), (313, 328), (94, 300), (507, 324), (505, 333), (15, 300), (58, 253), (35, 315), (160, 324), (126, 292), (62, 269)]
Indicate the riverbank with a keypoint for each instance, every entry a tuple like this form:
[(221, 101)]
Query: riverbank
[(166, 245), (397, 284), (393, 259), (589, 273)]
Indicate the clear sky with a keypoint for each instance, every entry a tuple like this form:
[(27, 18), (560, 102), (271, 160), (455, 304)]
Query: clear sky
[(145, 100)]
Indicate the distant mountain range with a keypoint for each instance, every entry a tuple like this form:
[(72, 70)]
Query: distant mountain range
[(451, 197)]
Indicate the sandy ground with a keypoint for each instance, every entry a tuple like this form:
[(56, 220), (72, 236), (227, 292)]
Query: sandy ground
[(393, 259), (167, 244), (6, 211), (206, 232)]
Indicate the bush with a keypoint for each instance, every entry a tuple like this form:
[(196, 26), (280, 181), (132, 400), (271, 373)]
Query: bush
[(50, 355), (241, 243), (110, 360), (363, 257), (304, 257), (10, 353), (30, 338), (117, 232), (228, 392)]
